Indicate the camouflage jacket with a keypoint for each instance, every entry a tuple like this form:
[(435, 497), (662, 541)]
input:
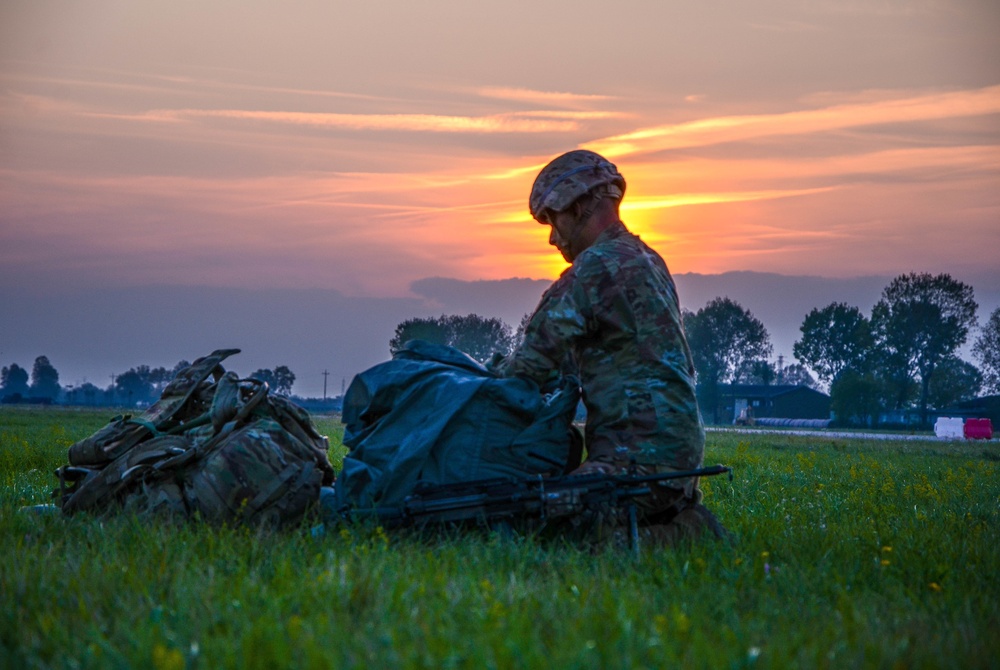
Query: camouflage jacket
[(614, 313)]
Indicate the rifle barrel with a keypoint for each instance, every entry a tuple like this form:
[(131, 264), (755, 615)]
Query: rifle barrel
[(529, 497)]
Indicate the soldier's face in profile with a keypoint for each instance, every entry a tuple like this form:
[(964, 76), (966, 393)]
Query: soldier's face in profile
[(561, 224)]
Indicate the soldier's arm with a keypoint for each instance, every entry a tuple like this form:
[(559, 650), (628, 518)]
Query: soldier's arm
[(559, 321)]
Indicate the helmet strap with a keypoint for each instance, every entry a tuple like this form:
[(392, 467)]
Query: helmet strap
[(581, 221), (578, 226)]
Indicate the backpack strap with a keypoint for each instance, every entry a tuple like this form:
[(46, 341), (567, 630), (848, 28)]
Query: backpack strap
[(148, 425), (100, 488), (124, 432), (280, 484)]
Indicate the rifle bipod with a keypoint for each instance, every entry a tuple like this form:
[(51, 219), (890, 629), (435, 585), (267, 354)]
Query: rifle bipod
[(633, 529)]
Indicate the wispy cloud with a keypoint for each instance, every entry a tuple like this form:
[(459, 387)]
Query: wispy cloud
[(137, 82), (578, 116), (644, 203), (649, 203), (898, 163), (434, 123), (216, 84), (545, 97), (717, 130)]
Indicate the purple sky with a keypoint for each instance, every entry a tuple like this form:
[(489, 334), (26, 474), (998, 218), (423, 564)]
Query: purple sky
[(361, 147)]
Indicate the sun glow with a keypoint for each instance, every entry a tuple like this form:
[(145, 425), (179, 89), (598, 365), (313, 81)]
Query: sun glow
[(375, 184)]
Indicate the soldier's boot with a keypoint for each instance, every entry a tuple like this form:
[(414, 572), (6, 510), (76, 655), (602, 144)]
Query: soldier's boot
[(692, 523), (697, 520)]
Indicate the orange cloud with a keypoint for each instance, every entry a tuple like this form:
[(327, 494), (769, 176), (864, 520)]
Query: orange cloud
[(547, 97), (641, 203), (698, 175), (581, 116), (717, 130), (398, 209)]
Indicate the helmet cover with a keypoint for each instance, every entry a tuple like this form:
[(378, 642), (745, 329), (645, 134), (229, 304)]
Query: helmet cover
[(571, 176)]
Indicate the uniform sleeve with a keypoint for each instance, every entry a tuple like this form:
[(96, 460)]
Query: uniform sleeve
[(563, 316)]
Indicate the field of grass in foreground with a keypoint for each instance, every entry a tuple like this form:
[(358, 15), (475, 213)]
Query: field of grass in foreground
[(848, 553)]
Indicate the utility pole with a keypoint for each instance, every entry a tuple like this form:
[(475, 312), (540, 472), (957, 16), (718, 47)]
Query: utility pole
[(343, 387), (325, 375)]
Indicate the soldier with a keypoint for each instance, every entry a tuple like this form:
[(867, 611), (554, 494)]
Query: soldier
[(614, 314)]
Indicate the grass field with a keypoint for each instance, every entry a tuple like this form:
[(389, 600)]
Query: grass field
[(848, 553)]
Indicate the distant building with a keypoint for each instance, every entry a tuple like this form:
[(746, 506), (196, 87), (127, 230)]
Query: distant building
[(781, 401), (18, 399), (320, 405), (984, 407)]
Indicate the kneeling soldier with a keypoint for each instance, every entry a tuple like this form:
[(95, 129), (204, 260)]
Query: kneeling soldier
[(614, 314)]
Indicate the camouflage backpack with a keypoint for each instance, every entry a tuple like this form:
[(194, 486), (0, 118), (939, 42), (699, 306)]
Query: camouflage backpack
[(212, 446)]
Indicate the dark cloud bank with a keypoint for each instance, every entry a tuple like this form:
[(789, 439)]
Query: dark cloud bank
[(94, 333)]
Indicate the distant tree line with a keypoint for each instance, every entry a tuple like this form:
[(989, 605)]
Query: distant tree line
[(136, 387), (901, 360), (43, 387), (280, 379), (479, 337)]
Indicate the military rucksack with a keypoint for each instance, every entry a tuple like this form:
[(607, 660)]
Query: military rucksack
[(213, 446)]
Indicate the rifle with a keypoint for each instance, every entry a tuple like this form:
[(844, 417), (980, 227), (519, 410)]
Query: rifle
[(502, 500)]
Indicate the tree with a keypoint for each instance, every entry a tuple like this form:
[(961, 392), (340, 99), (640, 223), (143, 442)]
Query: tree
[(987, 352), (479, 337), (724, 339), (283, 380), (856, 398), (796, 374), (134, 386), (263, 375), (919, 321), (430, 330), (954, 381), (86, 394), (143, 384), (519, 332), (280, 379), (834, 338), (181, 364), (158, 379), (756, 372), (44, 379), (13, 381)]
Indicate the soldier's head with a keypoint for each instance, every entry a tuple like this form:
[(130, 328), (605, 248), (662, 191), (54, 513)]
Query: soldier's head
[(569, 191)]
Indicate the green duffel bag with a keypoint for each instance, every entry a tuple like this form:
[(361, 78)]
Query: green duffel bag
[(433, 415)]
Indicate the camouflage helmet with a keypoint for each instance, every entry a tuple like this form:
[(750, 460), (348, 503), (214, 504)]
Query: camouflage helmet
[(571, 176)]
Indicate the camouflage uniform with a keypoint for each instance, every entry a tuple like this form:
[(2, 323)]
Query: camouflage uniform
[(615, 313)]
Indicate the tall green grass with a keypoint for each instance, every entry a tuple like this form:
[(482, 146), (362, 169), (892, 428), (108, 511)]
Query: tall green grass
[(848, 553)]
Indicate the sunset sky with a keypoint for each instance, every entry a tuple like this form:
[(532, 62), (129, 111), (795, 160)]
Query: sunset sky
[(363, 146)]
